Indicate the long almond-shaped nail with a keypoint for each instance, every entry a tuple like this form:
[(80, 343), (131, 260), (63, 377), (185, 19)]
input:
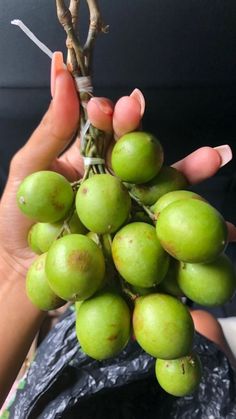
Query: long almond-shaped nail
[(56, 66), (225, 153), (137, 94)]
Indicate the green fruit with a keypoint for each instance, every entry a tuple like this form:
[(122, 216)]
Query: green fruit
[(173, 196), (103, 204), (75, 225), (75, 267), (163, 326), (192, 231), (137, 157), (103, 325), (138, 255), (38, 289), (45, 196), (168, 179), (169, 284), (209, 284), (42, 235), (179, 377)]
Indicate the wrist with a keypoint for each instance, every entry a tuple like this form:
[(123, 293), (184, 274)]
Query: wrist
[(19, 321)]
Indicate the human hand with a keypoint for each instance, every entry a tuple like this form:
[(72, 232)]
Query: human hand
[(53, 135)]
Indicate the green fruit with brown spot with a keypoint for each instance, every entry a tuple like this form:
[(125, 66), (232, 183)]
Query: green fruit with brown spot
[(103, 204), (75, 267), (137, 157), (192, 231), (138, 255), (45, 196), (168, 179), (103, 325), (37, 287), (163, 326), (209, 284), (179, 377)]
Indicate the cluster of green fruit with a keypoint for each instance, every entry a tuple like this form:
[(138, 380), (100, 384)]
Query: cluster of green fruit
[(125, 247)]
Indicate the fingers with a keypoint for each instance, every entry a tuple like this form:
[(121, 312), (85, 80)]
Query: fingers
[(231, 232), (204, 162), (128, 113), (56, 128), (124, 117), (100, 113)]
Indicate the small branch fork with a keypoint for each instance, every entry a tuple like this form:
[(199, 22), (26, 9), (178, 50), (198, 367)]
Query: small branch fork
[(68, 17)]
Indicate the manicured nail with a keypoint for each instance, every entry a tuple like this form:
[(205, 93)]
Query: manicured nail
[(105, 105), (137, 94), (56, 67), (225, 153)]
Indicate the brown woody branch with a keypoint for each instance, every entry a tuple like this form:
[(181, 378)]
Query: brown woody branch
[(96, 25), (65, 18)]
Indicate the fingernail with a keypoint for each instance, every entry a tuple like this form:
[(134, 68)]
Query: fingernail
[(137, 94), (105, 105), (56, 66), (225, 153)]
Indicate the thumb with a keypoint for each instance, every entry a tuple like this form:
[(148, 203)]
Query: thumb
[(56, 128)]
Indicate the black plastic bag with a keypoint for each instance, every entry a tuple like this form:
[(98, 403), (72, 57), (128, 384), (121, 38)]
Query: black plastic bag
[(62, 382)]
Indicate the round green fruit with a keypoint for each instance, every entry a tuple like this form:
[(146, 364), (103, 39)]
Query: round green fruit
[(75, 267), (208, 284), (103, 325), (42, 235), (45, 196), (103, 204), (37, 287), (192, 231), (138, 255), (137, 157), (168, 179), (179, 377), (173, 196), (163, 326)]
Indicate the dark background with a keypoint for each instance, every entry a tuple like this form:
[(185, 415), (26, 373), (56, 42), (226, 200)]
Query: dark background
[(181, 54)]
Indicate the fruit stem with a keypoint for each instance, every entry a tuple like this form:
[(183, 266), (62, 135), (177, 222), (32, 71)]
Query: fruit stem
[(79, 62), (145, 208), (126, 290)]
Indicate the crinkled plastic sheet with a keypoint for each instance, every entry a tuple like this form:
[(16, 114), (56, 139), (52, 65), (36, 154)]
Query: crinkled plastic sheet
[(65, 383)]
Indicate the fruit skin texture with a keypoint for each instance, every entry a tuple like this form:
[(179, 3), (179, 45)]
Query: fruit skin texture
[(173, 196), (138, 255), (179, 377), (103, 204), (42, 235), (192, 231), (38, 289), (45, 196), (209, 284), (103, 325), (163, 326), (75, 267), (168, 179), (137, 157)]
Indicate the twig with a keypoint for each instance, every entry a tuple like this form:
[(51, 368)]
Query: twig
[(71, 57), (96, 25), (65, 18), (74, 10)]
